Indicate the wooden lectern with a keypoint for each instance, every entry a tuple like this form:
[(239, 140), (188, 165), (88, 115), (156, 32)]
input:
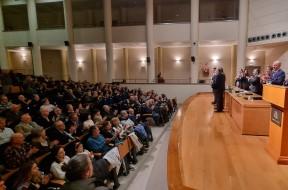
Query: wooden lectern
[(278, 132)]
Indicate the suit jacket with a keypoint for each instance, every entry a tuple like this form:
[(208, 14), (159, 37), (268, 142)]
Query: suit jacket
[(255, 84), (219, 82), (54, 134), (87, 184), (278, 77)]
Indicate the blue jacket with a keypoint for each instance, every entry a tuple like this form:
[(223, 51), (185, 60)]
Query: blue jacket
[(278, 77), (97, 144)]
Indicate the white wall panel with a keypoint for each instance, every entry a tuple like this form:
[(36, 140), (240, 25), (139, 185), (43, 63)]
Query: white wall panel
[(224, 31), (180, 91)]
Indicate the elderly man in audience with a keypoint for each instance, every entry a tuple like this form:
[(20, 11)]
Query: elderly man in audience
[(25, 104), (26, 125), (97, 143), (44, 120), (13, 116), (74, 121), (58, 133), (17, 152), (139, 129), (79, 174), (107, 113), (5, 133), (4, 104)]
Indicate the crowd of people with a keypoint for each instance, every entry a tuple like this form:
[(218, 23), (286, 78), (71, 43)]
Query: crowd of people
[(254, 83), (66, 133), (272, 75)]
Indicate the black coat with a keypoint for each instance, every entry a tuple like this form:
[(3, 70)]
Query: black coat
[(219, 82), (87, 184)]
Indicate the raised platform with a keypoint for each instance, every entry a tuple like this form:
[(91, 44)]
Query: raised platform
[(208, 152)]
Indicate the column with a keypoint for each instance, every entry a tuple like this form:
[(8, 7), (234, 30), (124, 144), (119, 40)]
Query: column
[(126, 63), (108, 39), (95, 67), (150, 41), (194, 41), (71, 54), (233, 64), (65, 75), (160, 60), (36, 50), (3, 54), (242, 34)]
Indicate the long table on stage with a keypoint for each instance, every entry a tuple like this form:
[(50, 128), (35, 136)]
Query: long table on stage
[(250, 113)]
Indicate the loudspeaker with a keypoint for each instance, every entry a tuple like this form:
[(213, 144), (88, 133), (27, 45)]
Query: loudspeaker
[(193, 59), (279, 35), (66, 43), (30, 44), (148, 59)]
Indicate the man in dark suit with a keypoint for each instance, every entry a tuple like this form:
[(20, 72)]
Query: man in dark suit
[(214, 73), (219, 87), (278, 75), (255, 84)]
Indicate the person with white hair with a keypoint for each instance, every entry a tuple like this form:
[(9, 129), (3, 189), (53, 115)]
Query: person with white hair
[(278, 75)]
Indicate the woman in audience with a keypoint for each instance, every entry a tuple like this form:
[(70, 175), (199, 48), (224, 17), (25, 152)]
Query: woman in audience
[(110, 134), (30, 178), (38, 136), (87, 122), (58, 167), (266, 77), (57, 115), (47, 105), (98, 117)]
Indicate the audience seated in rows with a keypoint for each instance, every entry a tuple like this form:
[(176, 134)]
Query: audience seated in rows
[(49, 121)]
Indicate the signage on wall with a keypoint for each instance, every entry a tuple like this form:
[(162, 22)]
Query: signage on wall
[(276, 116)]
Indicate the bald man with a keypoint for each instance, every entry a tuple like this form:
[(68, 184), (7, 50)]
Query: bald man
[(278, 75), (17, 152)]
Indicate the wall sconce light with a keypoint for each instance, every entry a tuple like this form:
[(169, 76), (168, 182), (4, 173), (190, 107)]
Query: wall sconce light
[(80, 63), (24, 57), (143, 62), (215, 59), (251, 60), (178, 60)]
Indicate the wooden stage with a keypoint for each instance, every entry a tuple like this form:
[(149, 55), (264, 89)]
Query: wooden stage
[(207, 152)]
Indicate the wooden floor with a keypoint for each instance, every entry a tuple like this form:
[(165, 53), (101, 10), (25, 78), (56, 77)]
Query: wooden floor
[(214, 156)]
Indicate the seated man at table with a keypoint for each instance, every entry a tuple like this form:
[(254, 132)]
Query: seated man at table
[(278, 75)]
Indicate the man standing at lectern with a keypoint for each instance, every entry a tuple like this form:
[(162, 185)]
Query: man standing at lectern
[(278, 75), (219, 86)]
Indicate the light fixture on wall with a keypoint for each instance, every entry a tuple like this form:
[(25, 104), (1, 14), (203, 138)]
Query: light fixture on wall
[(215, 59), (80, 63), (143, 62), (251, 60), (178, 60), (24, 56)]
